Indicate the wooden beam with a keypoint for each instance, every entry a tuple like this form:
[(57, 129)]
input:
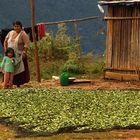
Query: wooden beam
[(105, 2), (121, 18)]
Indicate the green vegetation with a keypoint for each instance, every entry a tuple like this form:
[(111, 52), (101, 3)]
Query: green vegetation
[(62, 110), (60, 53)]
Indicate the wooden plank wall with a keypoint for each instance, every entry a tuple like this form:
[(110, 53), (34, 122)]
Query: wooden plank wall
[(109, 39), (123, 38)]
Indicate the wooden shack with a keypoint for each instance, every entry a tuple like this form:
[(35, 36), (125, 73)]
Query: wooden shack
[(122, 39)]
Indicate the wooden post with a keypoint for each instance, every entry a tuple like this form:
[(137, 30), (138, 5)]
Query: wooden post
[(77, 40), (35, 43)]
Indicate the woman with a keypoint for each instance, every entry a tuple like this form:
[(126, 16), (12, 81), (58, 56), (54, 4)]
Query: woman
[(19, 41)]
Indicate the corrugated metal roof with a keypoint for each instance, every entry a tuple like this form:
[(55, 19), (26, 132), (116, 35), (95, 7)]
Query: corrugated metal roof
[(117, 1)]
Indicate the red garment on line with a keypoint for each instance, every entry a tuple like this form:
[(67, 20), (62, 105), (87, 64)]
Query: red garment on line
[(41, 30)]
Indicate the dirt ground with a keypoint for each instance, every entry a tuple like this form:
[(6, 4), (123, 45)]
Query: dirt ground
[(93, 84)]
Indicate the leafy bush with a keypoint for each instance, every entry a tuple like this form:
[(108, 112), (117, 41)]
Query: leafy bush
[(73, 68), (55, 47)]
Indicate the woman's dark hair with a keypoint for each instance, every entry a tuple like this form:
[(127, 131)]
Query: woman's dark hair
[(17, 23), (9, 50)]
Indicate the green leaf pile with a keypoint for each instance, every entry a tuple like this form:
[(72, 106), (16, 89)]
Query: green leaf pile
[(43, 110)]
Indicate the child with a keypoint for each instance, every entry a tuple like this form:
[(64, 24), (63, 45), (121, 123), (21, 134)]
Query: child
[(8, 66)]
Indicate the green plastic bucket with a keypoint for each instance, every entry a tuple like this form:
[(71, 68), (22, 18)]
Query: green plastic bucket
[(64, 79)]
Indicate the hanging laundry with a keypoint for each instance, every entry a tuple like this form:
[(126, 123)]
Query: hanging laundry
[(1, 50), (41, 30), (3, 33), (28, 30)]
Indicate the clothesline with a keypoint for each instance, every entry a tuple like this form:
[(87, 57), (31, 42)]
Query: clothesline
[(41, 26), (72, 20)]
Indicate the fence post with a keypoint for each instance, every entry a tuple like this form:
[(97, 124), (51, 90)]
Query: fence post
[(35, 43), (77, 34)]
